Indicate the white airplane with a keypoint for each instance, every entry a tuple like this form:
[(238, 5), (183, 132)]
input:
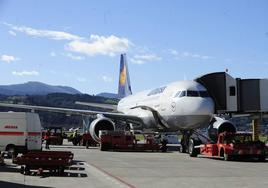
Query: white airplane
[(183, 105)]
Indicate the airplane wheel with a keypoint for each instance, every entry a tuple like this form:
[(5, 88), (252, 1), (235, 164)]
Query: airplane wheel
[(262, 158), (27, 170), (61, 171), (182, 149), (193, 152), (11, 151), (22, 169), (164, 148), (104, 146), (227, 157)]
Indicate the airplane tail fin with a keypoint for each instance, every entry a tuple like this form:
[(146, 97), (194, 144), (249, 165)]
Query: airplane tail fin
[(124, 87)]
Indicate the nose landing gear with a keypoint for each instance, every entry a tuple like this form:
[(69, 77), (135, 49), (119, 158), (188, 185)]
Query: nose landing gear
[(189, 140), (186, 134)]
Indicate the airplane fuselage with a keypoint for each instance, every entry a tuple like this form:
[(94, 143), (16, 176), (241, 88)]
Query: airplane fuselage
[(183, 105)]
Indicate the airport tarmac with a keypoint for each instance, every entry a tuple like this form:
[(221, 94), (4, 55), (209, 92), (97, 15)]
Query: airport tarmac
[(94, 168)]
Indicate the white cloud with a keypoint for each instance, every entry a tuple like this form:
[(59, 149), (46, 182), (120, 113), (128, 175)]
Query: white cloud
[(53, 54), (12, 33), (173, 52), (78, 58), (25, 73), (100, 45), (148, 57), (107, 79), (51, 34), (141, 59), (137, 61), (8, 58), (81, 80), (186, 54), (95, 45), (196, 56)]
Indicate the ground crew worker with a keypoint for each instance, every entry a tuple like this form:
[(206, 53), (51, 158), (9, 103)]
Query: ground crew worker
[(86, 138), (47, 139), (75, 138), (75, 134)]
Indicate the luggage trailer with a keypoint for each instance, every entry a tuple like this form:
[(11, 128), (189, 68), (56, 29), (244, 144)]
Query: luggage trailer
[(53, 161)]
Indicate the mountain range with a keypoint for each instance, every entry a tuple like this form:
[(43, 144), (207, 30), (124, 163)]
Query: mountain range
[(35, 88), (108, 95)]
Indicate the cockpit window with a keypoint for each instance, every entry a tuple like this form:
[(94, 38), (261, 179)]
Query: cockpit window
[(191, 93), (203, 94), (182, 94), (177, 94)]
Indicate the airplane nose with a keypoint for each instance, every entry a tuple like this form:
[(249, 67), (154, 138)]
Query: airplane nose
[(206, 106)]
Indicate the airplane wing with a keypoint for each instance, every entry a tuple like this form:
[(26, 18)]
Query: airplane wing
[(98, 105), (68, 111)]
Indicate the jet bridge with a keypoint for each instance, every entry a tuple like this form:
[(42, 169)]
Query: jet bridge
[(223, 89), (236, 95), (253, 95)]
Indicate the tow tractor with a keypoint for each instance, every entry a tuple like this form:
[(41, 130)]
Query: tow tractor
[(56, 135), (126, 141), (231, 146)]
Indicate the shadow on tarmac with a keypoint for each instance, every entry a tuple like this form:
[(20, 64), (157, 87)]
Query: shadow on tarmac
[(5, 184), (173, 147), (242, 160), (170, 149), (65, 174), (67, 147), (78, 162), (72, 171), (72, 147), (9, 168)]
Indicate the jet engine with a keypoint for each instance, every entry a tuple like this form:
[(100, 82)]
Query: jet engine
[(219, 125), (101, 123)]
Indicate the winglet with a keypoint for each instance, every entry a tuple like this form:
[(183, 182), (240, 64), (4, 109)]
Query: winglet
[(124, 87)]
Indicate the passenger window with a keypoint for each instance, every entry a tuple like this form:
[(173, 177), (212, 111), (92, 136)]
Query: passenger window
[(192, 93), (157, 91)]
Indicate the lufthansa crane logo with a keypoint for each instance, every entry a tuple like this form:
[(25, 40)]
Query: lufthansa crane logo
[(123, 74), (173, 106)]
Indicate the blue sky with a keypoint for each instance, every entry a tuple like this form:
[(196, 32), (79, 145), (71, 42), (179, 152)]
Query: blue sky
[(77, 43)]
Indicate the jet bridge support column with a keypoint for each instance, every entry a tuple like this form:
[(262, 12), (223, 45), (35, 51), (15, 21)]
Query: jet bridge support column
[(255, 129)]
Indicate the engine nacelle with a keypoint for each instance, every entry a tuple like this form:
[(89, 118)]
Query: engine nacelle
[(219, 125), (101, 123)]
